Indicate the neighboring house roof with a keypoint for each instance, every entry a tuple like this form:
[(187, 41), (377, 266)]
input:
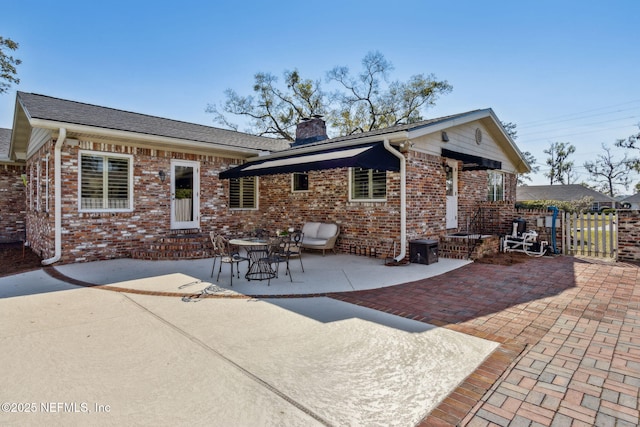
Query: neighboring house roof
[(52, 113), (5, 140), (559, 193), (632, 199)]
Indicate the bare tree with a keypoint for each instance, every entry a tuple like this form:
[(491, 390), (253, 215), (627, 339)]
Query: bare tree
[(522, 178), (361, 104), (561, 170), (273, 111), (608, 172), (8, 64), (632, 143)]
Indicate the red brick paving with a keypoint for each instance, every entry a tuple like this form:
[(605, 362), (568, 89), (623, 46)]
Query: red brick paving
[(570, 340), (569, 331)]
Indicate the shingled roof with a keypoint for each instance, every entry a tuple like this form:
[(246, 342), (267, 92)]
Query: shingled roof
[(71, 112), (398, 128), (5, 140), (559, 192)]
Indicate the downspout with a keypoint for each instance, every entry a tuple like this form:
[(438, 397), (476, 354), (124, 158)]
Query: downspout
[(403, 199), (57, 176)]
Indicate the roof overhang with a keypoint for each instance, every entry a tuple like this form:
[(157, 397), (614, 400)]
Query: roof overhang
[(488, 118), (471, 162), (372, 155), (163, 141)]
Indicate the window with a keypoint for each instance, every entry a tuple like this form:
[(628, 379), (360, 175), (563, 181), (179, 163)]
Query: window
[(46, 183), (242, 193), (496, 186), (105, 182), (368, 184), (300, 181), (38, 193)]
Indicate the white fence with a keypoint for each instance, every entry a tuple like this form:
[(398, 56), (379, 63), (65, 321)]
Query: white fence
[(593, 235)]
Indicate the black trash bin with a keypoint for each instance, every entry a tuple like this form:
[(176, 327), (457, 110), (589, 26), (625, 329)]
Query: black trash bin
[(423, 251)]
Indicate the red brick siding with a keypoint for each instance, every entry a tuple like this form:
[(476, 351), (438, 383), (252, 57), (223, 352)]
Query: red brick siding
[(629, 235), (95, 236), (98, 236), (426, 196), (12, 195)]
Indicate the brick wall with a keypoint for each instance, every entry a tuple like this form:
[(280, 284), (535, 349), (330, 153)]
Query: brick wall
[(629, 235), (96, 236), (13, 213)]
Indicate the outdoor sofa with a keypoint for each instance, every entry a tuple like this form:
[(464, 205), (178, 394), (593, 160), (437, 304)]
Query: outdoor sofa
[(320, 236)]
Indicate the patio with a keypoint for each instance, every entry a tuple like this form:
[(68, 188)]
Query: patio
[(322, 275), (567, 330)]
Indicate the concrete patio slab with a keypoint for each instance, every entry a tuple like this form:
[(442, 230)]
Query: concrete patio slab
[(87, 356), (322, 274)]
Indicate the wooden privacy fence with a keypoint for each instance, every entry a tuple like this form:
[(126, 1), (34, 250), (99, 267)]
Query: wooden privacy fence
[(590, 234)]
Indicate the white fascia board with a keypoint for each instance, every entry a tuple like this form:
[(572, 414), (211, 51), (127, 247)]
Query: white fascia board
[(446, 124), (512, 143), (468, 118), (143, 137)]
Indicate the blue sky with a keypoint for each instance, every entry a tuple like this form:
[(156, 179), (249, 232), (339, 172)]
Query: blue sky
[(561, 70)]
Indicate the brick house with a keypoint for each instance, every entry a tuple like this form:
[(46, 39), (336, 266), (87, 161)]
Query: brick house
[(12, 207), (103, 183)]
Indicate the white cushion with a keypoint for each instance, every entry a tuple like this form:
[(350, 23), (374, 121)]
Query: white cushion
[(312, 241), (326, 231), (310, 229)]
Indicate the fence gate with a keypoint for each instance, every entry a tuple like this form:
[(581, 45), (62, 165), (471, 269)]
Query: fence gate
[(593, 234)]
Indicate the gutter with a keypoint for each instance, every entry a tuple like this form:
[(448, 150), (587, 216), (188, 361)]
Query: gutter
[(57, 165), (143, 138), (403, 199)]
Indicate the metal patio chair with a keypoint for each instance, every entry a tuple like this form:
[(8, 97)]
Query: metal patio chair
[(223, 251)]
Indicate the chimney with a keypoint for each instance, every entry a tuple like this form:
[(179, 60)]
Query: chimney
[(310, 130)]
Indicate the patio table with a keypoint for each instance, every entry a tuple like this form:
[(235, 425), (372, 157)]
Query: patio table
[(257, 250)]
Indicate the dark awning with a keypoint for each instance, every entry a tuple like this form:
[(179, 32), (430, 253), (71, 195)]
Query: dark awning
[(471, 162), (368, 156)]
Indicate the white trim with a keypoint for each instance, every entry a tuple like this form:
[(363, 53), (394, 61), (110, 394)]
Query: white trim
[(46, 182), (293, 181), (195, 207), (38, 194), (105, 154), (354, 200), (152, 139)]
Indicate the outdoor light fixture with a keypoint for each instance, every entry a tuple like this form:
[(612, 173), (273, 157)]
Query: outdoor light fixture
[(162, 175), (445, 137)]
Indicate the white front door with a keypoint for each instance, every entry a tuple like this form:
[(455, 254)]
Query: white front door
[(185, 194), (452, 194)]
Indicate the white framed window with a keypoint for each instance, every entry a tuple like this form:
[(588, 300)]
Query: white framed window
[(30, 187), (105, 182), (243, 193), (38, 194), (299, 182), (495, 181), (46, 183), (367, 184)]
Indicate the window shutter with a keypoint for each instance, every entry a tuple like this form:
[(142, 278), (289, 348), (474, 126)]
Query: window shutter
[(242, 193), (92, 182), (118, 183)]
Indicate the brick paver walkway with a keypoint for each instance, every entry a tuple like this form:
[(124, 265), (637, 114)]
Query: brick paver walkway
[(570, 340)]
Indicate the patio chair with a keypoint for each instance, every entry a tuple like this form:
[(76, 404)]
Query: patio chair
[(294, 248), (223, 251), (278, 254)]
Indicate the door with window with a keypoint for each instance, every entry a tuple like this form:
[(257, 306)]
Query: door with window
[(185, 194), (451, 169)]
